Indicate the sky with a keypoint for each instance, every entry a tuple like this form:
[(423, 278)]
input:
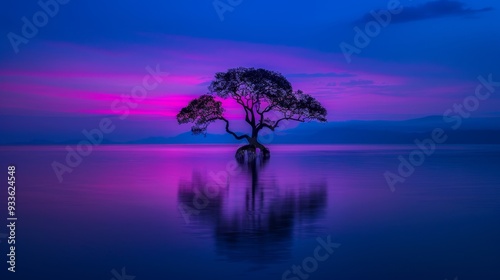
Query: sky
[(84, 59)]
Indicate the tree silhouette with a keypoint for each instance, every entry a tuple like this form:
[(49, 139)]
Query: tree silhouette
[(266, 97)]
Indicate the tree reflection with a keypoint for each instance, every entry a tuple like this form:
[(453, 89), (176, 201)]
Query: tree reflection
[(253, 218)]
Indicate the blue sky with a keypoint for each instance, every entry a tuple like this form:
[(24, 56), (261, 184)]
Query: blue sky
[(427, 58)]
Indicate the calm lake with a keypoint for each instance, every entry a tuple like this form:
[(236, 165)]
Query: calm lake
[(190, 212)]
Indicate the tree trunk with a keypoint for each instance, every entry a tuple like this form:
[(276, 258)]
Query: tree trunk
[(249, 152), (263, 150)]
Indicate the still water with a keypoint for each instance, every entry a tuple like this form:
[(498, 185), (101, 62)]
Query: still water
[(190, 212)]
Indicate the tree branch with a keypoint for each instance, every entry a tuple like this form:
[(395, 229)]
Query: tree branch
[(288, 119), (244, 136)]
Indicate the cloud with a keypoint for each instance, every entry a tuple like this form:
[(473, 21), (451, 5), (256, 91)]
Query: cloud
[(432, 9), (357, 83), (319, 75), (79, 81)]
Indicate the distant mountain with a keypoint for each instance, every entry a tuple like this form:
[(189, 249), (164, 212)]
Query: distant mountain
[(47, 142), (188, 138), (472, 131)]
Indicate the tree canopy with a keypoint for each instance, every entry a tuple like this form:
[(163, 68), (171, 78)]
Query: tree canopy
[(266, 97)]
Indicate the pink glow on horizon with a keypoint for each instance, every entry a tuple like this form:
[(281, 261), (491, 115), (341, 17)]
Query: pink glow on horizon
[(88, 83)]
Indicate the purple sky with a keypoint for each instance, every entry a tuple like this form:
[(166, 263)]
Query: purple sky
[(60, 83)]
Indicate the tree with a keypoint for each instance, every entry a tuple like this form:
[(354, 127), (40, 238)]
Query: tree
[(266, 97)]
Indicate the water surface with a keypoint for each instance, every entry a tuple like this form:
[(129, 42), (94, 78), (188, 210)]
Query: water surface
[(189, 212)]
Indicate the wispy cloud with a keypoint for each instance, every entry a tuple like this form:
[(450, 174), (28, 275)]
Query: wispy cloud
[(430, 10), (357, 83), (319, 75), (84, 85)]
